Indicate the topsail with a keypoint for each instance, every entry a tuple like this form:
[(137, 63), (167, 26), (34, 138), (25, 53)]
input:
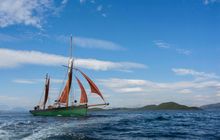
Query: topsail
[(93, 87)]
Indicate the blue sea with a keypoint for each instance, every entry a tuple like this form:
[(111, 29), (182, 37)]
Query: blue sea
[(112, 125)]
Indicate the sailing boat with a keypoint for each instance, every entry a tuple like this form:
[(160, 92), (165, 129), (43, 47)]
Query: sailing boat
[(61, 106)]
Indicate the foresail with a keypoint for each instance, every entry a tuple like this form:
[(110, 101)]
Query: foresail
[(83, 97), (65, 93), (64, 98), (93, 87)]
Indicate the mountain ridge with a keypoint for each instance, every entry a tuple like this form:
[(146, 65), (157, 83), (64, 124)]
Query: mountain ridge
[(162, 106), (215, 106)]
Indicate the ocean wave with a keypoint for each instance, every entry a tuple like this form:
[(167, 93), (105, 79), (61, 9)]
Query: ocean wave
[(112, 125)]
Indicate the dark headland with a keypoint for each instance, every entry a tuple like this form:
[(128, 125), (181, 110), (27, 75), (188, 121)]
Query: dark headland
[(162, 106), (211, 106)]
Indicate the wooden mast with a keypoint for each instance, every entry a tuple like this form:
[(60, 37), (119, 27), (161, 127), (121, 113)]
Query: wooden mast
[(46, 90), (70, 69), (64, 97)]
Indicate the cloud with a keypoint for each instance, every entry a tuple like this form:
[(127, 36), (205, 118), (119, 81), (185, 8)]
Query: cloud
[(99, 8), (104, 15), (107, 65), (146, 86), (206, 2), (14, 58), (161, 44), (96, 43), (26, 12), (23, 81), (82, 1), (185, 91), (183, 51), (13, 101), (7, 38), (130, 90), (182, 71), (164, 45), (206, 82), (36, 81), (91, 43)]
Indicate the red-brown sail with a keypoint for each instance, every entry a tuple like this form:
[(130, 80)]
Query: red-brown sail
[(64, 98), (47, 86), (83, 97), (93, 87)]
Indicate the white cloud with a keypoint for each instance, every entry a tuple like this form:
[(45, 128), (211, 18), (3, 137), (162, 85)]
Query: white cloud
[(99, 8), (130, 90), (201, 97), (82, 1), (146, 86), (96, 43), (107, 65), (27, 12), (23, 81), (104, 15), (182, 71), (35, 81), (161, 44), (165, 45), (183, 51), (206, 2), (91, 43), (13, 58), (7, 38), (185, 91)]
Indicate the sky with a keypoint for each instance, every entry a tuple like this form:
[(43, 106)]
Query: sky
[(137, 52)]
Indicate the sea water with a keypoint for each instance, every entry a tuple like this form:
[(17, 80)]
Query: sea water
[(115, 125)]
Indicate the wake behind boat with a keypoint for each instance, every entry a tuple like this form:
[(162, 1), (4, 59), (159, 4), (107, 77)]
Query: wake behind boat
[(61, 106)]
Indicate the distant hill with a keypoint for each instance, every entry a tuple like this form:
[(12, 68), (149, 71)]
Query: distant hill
[(211, 106), (162, 106), (169, 106), (8, 108)]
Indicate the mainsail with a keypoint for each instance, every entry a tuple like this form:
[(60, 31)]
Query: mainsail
[(93, 87), (64, 98), (47, 86), (83, 97)]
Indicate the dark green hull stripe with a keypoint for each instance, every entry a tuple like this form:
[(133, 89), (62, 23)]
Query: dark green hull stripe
[(63, 111)]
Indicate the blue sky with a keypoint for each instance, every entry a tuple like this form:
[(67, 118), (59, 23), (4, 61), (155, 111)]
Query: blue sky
[(138, 52)]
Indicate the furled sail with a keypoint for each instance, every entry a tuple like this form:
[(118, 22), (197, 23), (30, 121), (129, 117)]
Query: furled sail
[(93, 87), (47, 87), (64, 98), (83, 97)]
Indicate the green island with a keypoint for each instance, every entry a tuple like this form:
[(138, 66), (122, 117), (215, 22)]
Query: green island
[(162, 106)]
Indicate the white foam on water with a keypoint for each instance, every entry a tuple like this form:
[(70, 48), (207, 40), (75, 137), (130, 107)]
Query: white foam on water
[(62, 128), (43, 133), (4, 135)]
